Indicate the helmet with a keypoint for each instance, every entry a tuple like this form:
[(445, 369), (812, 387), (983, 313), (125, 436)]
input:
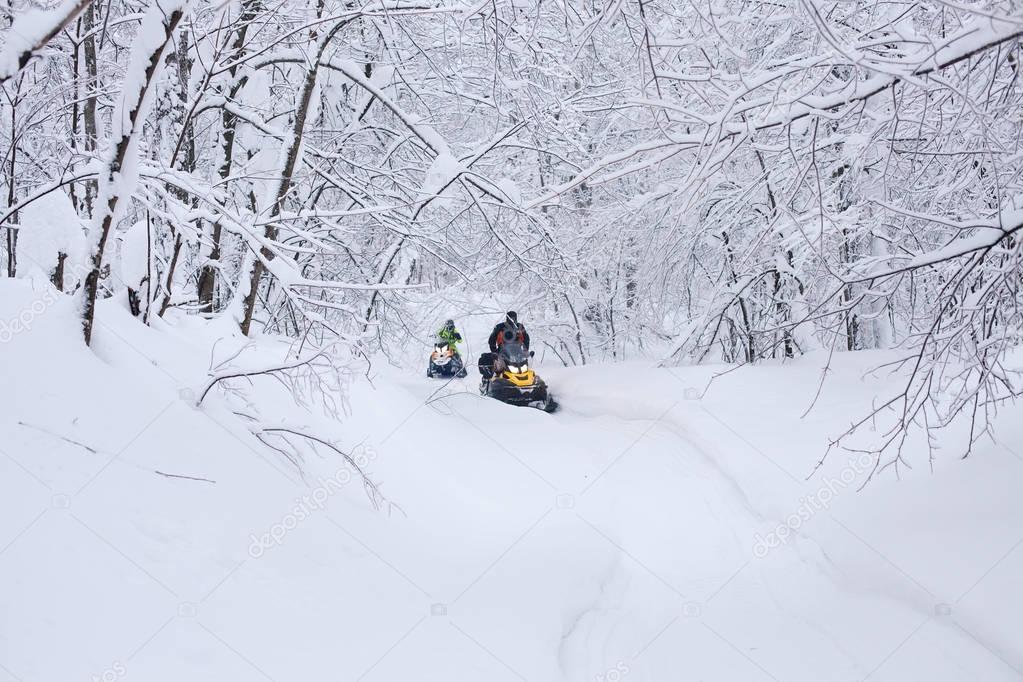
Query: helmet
[(450, 324), (512, 316)]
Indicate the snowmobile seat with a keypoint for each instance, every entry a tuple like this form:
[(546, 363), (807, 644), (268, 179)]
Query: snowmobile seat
[(486, 364)]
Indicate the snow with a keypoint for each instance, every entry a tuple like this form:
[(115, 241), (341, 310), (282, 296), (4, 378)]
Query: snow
[(511, 190), (615, 540), (135, 255), (50, 225), (444, 169), (30, 28)]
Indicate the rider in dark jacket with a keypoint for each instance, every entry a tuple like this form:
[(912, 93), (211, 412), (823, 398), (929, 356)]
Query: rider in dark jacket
[(510, 324)]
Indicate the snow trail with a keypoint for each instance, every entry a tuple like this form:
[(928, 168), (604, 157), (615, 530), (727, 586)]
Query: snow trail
[(638, 534)]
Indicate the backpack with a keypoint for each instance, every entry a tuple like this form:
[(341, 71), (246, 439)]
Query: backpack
[(519, 331)]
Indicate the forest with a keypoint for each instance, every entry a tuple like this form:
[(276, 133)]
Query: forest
[(726, 180), (758, 264)]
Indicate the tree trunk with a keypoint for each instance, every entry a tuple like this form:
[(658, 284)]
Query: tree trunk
[(287, 173), (57, 276), (89, 108), (12, 232), (207, 284), (134, 115), (184, 65)]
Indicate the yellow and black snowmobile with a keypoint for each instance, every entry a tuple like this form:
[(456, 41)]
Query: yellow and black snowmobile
[(508, 377)]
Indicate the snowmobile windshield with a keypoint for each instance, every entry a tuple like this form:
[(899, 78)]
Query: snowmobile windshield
[(515, 353)]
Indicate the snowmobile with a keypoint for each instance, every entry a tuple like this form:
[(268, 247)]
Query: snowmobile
[(508, 377), (445, 361)]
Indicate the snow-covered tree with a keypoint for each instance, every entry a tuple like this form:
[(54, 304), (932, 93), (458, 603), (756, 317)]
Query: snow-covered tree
[(734, 181)]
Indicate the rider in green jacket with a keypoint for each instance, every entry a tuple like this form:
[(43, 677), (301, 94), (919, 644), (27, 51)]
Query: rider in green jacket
[(450, 335)]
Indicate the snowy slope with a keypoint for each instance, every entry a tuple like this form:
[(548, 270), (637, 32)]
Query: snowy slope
[(648, 531)]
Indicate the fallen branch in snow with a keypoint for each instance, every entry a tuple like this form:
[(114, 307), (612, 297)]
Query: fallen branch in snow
[(57, 435), (430, 398), (261, 371), (316, 377), (376, 497), (187, 478)]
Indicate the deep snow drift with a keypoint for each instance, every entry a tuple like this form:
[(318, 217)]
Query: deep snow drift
[(648, 531)]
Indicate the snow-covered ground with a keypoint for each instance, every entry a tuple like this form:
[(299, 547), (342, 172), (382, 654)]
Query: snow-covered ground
[(651, 530)]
